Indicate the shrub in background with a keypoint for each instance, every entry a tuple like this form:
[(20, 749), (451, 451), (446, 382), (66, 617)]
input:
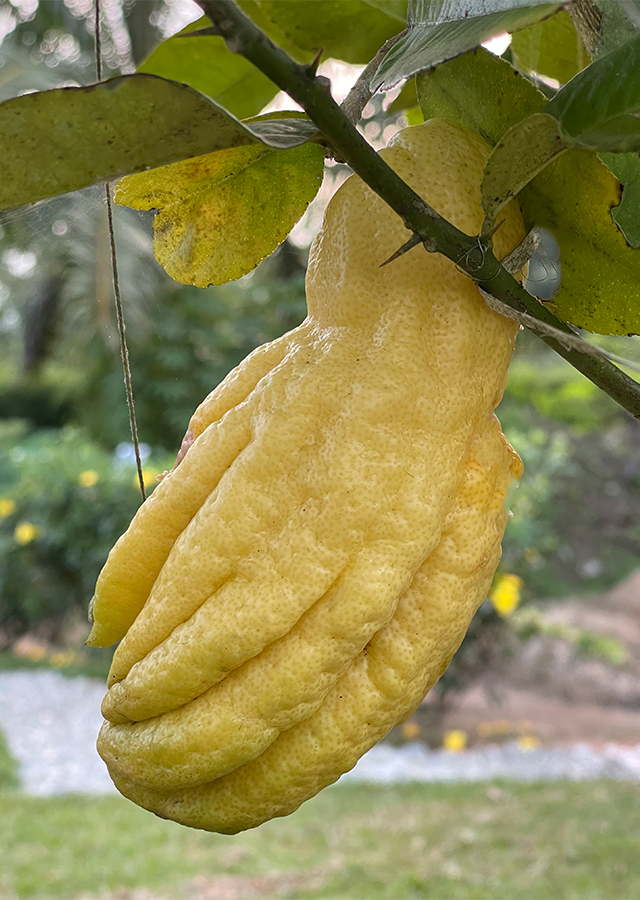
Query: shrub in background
[(63, 503), (576, 514), (190, 339)]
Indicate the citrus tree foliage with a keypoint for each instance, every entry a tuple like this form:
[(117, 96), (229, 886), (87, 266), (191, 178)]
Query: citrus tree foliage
[(62, 503), (568, 151)]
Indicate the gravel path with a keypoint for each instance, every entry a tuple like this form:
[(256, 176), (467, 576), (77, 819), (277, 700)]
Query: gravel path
[(50, 723)]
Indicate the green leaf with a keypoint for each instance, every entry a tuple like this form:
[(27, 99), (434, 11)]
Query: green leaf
[(600, 107), (427, 44), (478, 90), (572, 198), (524, 151), (56, 141), (222, 213), (205, 63), (435, 12), (600, 285), (282, 130), (626, 168), (253, 8), (551, 48), (352, 31)]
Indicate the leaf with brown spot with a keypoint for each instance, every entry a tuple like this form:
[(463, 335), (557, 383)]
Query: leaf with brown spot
[(222, 213)]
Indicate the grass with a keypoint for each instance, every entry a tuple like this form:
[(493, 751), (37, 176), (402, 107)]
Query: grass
[(8, 768), (94, 665), (447, 842)]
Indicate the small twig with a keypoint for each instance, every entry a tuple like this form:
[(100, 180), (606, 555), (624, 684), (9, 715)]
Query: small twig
[(360, 94), (569, 341), (124, 350), (244, 37)]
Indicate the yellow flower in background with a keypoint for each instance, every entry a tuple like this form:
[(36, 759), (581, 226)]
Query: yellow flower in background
[(62, 659), (26, 532), (88, 478), (527, 742), (7, 507), (454, 741), (505, 594), (149, 477), (410, 731)]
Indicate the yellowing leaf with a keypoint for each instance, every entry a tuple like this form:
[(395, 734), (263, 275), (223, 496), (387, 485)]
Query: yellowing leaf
[(62, 140), (220, 214), (600, 285)]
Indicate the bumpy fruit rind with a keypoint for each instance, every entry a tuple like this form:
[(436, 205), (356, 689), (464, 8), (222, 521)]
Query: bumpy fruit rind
[(296, 585)]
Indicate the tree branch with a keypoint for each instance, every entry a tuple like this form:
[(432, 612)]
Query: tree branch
[(438, 236), (587, 19)]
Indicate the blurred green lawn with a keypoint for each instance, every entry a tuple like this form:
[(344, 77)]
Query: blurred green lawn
[(446, 842)]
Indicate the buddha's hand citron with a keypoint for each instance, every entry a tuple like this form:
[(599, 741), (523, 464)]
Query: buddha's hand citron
[(301, 579)]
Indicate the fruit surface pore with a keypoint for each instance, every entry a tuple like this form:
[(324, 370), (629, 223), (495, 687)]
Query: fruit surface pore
[(294, 587)]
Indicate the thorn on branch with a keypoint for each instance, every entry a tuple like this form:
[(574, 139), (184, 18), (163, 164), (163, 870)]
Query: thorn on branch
[(312, 68), (413, 241)]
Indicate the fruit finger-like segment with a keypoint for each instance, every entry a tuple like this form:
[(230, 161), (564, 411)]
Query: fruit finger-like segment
[(236, 720), (384, 683), (237, 519), (272, 538), (224, 631), (137, 558), (294, 567)]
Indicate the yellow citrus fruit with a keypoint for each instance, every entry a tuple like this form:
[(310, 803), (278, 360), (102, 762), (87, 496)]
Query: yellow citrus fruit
[(294, 587)]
